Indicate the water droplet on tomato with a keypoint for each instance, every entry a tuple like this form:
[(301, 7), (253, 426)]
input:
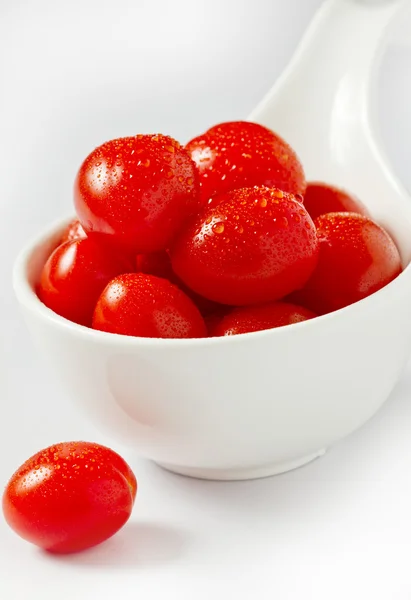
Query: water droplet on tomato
[(218, 228)]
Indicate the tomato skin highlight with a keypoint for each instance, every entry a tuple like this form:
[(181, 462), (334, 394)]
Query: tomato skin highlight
[(74, 276), (357, 258), (143, 305), (138, 191), (247, 319), (256, 245), (70, 496), (73, 231), (239, 154), (321, 198)]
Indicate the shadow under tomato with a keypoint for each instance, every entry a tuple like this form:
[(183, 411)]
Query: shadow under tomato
[(136, 545)]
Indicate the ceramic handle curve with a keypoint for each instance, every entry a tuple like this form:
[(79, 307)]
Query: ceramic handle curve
[(342, 42)]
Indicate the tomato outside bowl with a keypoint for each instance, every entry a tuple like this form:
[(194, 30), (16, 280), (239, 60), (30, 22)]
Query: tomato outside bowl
[(232, 408)]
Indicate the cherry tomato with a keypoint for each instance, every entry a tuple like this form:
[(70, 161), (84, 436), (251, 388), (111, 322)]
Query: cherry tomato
[(73, 231), (357, 258), (262, 316), (240, 154), (321, 198), (159, 264), (147, 306), (256, 245), (75, 275), (138, 191), (70, 496)]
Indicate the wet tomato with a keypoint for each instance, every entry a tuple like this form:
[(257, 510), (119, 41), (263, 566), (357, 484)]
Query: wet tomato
[(259, 317), (321, 198), (241, 154), (138, 191), (256, 245), (75, 275), (357, 258), (147, 306), (70, 496)]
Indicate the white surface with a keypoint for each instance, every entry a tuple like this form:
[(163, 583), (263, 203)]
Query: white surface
[(338, 528)]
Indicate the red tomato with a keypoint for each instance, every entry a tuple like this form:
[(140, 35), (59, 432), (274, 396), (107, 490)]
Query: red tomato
[(137, 190), (256, 245), (73, 231), (147, 306), (240, 154), (70, 496), (321, 198), (75, 275), (357, 258), (159, 264), (257, 318)]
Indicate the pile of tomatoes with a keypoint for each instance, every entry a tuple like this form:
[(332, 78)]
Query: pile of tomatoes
[(220, 237)]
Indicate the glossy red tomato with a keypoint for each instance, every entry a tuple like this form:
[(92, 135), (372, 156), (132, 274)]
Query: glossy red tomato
[(256, 245), (357, 258), (70, 496), (241, 154), (321, 198), (75, 275), (147, 306), (137, 190), (259, 317), (73, 231)]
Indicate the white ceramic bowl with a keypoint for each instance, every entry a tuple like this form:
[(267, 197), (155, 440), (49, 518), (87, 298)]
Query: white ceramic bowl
[(262, 403), (228, 408)]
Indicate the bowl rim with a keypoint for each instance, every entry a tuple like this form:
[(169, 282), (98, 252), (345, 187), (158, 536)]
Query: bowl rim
[(27, 296)]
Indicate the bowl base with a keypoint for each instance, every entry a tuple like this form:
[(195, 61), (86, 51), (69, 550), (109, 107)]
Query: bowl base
[(240, 474)]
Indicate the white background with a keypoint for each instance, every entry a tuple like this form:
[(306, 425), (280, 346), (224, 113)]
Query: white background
[(73, 74)]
